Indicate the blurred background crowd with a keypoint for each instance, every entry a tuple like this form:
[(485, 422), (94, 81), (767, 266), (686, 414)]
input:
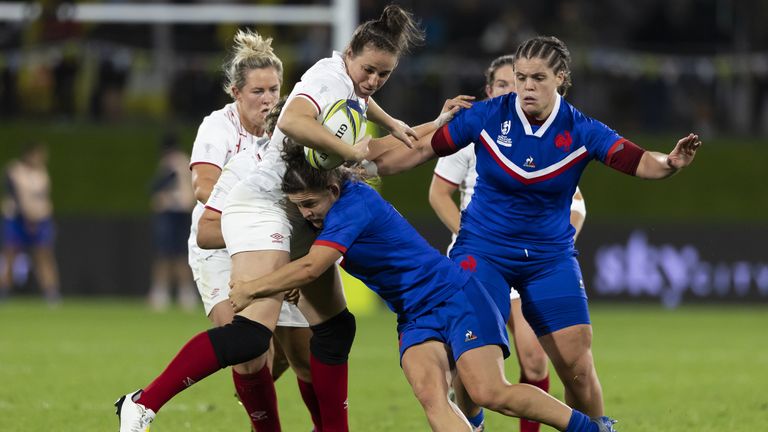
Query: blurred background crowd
[(653, 65), (108, 98)]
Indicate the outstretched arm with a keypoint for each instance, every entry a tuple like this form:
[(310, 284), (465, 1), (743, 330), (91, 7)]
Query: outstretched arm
[(295, 274), (397, 129), (389, 159), (655, 165)]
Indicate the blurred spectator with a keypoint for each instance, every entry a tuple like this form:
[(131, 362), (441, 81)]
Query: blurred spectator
[(107, 98), (172, 202), (28, 221), (8, 81), (64, 74)]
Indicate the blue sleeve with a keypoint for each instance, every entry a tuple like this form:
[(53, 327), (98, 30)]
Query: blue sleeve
[(600, 139), (344, 222), (466, 126)]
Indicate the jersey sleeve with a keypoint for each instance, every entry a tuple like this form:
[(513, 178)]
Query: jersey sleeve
[(461, 131), (215, 137), (235, 170), (454, 168), (322, 91), (344, 223), (599, 138)]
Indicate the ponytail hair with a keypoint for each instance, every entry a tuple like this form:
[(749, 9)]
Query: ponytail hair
[(395, 32), (251, 51), (554, 52)]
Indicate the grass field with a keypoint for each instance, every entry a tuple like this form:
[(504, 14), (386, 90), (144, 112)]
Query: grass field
[(693, 369)]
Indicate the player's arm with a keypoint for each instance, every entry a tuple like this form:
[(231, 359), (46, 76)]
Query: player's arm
[(578, 212), (399, 159), (292, 275), (655, 165), (441, 199), (299, 122), (209, 234), (204, 177), (396, 128)]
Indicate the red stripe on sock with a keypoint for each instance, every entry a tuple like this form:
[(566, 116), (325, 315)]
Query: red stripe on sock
[(525, 424), (307, 391), (257, 393), (330, 384), (195, 361)]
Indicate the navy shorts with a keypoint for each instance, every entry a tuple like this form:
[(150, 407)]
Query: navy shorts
[(551, 286), (20, 235), (171, 233), (466, 320)]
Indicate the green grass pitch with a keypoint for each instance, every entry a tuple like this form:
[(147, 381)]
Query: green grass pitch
[(693, 369)]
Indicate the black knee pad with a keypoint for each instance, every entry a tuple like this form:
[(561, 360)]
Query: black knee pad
[(332, 340), (239, 341)]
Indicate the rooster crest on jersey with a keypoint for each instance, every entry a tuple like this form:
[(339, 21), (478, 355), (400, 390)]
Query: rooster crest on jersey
[(346, 120)]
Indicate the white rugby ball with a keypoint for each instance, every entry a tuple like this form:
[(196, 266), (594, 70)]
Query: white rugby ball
[(346, 120)]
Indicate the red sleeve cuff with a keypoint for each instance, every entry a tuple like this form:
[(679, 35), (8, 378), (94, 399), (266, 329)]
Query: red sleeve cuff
[(330, 244), (624, 156), (203, 163), (213, 209), (446, 180), (442, 143), (311, 99)]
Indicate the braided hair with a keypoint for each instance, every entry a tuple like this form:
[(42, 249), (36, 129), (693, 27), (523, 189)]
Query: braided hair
[(554, 52)]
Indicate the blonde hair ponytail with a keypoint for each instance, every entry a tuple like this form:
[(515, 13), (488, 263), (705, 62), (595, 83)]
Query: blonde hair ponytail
[(250, 51)]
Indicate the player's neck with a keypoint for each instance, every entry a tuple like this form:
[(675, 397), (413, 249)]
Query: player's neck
[(537, 120), (251, 128)]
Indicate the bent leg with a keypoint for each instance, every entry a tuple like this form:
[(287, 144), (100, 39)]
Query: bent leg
[(530, 356), (428, 370), (571, 352), (482, 371), (323, 304), (253, 379)]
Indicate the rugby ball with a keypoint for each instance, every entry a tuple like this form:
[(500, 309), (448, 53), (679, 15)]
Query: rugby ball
[(346, 120)]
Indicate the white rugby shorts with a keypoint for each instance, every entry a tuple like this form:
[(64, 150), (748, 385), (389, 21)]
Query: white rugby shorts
[(212, 275), (257, 219)]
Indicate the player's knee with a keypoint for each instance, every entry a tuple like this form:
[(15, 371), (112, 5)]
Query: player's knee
[(534, 365), (427, 392), (239, 341), (488, 395), (332, 340)]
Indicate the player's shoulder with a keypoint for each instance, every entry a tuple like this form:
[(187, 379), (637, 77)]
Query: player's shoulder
[(329, 72), (225, 118), (575, 115)]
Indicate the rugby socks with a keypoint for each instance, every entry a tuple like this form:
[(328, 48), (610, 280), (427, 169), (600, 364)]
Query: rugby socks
[(330, 384), (478, 419), (195, 361), (307, 391), (580, 422), (529, 425), (258, 396)]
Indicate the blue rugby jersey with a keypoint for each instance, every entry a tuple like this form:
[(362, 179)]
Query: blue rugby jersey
[(527, 174), (385, 252)]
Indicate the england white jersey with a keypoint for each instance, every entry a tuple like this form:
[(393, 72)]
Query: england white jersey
[(323, 84), (219, 137), (238, 168)]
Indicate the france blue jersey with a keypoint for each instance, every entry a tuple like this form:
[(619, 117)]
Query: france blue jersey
[(527, 174), (385, 252)]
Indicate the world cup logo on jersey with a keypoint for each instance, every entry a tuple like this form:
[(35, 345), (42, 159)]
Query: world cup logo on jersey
[(503, 139), (506, 126)]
